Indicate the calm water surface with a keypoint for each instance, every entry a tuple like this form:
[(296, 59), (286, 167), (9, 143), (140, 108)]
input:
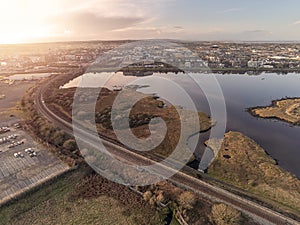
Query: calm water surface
[(278, 138)]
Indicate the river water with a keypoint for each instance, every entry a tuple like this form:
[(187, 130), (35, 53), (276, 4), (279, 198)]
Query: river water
[(279, 139)]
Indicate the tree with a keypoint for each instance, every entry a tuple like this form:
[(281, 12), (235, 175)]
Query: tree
[(187, 200), (160, 197), (70, 145), (223, 214), (58, 138), (147, 195)]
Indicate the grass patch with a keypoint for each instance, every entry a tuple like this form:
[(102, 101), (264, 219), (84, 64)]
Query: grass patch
[(250, 168), (55, 203)]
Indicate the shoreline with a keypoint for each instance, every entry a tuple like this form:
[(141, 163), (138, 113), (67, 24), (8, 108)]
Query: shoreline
[(243, 163), (273, 105)]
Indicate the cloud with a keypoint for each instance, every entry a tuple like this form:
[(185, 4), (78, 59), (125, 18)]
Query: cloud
[(297, 22), (103, 19), (91, 24), (137, 32), (254, 31), (228, 35), (151, 32), (122, 8), (261, 32), (178, 27), (231, 10)]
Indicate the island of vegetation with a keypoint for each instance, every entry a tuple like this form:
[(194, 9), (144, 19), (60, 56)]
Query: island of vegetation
[(287, 110), (149, 107), (244, 164), (60, 101), (148, 68), (76, 196)]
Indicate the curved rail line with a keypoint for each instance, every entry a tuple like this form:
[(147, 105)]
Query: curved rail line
[(259, 213)]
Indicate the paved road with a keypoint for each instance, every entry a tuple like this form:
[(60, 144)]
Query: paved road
[(261, 214)]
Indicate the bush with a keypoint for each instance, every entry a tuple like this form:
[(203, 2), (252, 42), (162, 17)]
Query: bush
[(187, 200), (58, 138), (223, 214), (70, 145), (147, 195)]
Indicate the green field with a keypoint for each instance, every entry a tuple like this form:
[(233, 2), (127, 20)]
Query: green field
[(56, 203)]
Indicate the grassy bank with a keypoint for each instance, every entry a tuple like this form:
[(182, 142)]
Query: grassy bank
[(62, 202), (243, 163)]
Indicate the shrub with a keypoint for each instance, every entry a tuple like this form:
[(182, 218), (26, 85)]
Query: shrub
[(70, 145), (223, 214), (187, 200)]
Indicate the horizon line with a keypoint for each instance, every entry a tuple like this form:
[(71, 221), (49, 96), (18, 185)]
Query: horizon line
[(181, 40)]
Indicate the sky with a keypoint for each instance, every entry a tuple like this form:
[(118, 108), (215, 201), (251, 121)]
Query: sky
[(214, 20)]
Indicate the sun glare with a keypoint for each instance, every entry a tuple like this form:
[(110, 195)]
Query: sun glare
[(20, 21), (21, 37)]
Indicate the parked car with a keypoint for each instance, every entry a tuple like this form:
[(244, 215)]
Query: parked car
[(18, 155)]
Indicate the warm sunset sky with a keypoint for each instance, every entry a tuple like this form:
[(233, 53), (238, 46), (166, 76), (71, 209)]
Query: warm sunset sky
[(62, 20)]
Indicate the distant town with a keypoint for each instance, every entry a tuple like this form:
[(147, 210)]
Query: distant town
[(218, 57), (242, 180), (249, 56)]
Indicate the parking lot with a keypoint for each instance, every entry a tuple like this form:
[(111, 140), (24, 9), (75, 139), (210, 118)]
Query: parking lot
[(24, 164)]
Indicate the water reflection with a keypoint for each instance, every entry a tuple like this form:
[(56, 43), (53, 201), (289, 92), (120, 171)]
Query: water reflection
[(278, 138)]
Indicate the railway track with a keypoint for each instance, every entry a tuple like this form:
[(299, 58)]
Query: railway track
[(259, 213)]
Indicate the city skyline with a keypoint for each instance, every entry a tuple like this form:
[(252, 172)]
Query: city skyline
[(46, 21)]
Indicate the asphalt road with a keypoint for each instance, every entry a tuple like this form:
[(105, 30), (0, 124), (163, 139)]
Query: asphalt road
[(259, 213)]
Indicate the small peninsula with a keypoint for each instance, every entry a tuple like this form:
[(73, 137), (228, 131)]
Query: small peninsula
[(287, 110), (140, 114), (243, 163)]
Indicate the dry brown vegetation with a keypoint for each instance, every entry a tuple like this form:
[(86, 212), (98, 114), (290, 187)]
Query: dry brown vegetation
[(60, 101), (63, 145), (68, 201), (222, 214), (93, 186), (92, 189), (287, 110), (148, 108), (194, 209), (187, 200), (243, 163)]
